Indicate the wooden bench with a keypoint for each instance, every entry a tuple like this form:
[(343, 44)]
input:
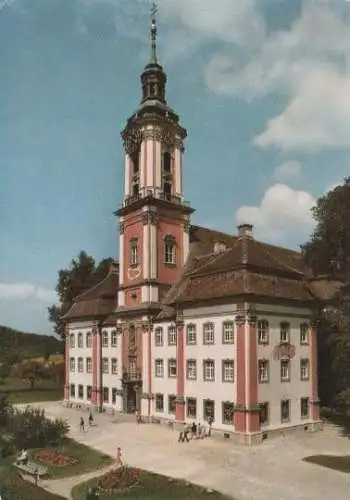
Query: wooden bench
[(32, 468)]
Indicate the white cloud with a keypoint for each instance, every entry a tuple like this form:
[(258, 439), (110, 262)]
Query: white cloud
[(23, 291), (289, 169), (307, 64), (283, 213)]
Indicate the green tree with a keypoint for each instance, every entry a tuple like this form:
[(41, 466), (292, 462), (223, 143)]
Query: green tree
[(72, 281), (327, 253), (30, 370)]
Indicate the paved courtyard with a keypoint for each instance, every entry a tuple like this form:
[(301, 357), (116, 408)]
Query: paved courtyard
[(271, 471)]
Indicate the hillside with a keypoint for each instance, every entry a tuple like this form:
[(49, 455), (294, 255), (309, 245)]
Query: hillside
[(17, 345)]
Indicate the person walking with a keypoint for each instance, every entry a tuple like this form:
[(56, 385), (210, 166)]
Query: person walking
[(91, 419), (82, 424), (194, 430)]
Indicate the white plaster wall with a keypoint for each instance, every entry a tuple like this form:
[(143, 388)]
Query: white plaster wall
[(275, 391), (75, 377), (165, 385), (110, 380)]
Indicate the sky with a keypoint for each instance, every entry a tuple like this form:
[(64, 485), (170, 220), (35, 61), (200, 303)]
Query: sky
[(262, 86)]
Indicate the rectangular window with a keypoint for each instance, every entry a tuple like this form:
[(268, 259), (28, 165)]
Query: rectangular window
[(304, 369), (191, 369), (80, 391), (72, 364), (106, 395), (114, 396), (191, 334), (264, 413), (263, 371), (80, 365), (88, 392), (227, 413), (228, 370), (208, 409), (132, 370), (105, 365), (89, 339), (284, 332), (191, 407), (172, 368), (208, 333), (114, 338), (114, 366), (72, 340), (285, 370), (88, 365), (72, 391), (133, 251), (304, 408), (171, 404), (169, 251), (304, 334), (227, 332), (209, 370), (159, 368), (105, 338), (263, 331), (158, 336), (80, 340), (159, 402), (285, 410), (172, 337)]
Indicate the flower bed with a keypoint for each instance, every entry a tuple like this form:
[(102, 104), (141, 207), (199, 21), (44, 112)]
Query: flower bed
[(119, 479), (54, 458)]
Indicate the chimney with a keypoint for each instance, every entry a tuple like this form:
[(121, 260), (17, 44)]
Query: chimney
[(245, 230), (219, 246)]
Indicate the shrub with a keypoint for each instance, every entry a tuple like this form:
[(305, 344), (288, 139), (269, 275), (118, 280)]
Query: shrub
[(117, 479), (31, 429)]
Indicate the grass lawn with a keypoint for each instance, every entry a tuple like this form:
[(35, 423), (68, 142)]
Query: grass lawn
[(153, 487), (19, 391), (339, 463), (13, 487)]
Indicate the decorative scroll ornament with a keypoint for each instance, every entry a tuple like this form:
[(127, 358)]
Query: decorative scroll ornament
[(179, 144), (284, 351), (163, 135), (240, 319), (149, 218), (133, 141), (252, 320), (186, 226), (134, 272), (121, 227), (179, 318)]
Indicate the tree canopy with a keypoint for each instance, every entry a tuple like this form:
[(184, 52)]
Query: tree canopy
[(328, 250), (82, 274), (328, 253)]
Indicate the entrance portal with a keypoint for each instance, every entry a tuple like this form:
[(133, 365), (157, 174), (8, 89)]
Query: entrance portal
[(132, 398)]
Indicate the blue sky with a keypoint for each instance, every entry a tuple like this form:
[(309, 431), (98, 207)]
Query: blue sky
[(263, 88)]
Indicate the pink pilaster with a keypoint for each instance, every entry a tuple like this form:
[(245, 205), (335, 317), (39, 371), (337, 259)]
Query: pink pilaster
[(239, 415)]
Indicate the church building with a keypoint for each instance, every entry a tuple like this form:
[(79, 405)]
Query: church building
[(192, 324)]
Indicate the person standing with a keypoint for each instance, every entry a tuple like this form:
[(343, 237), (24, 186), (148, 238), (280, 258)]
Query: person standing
[(82, 424), (91, 419)]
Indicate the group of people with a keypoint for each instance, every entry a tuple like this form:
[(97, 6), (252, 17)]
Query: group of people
[(195, 431), (82, 422)]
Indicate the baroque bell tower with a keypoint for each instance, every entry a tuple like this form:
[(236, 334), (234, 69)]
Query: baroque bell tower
[(154, 218)]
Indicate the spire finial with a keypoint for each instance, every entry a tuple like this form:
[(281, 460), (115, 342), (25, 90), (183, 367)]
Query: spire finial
[(154, 11)]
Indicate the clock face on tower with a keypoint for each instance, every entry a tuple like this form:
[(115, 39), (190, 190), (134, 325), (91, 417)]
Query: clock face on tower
[(134, 272)]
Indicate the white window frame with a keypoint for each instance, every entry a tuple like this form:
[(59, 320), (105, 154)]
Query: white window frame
[(133, 252), (72, 365), (159, 398), (80, 340), (80, 365), (208, 333), (285, 369), (209, 370), (228, 332), (159, 368), (191, 334), (191, 369), (105, 366), (105, 338), (263, 371), (228, 370), (169, 250), (307, 414), (172, 335), (114, 338), (263, 332), (286, 419), (284, 332), (211, 404), (159, 337), (304, 334), (114, 366), (304, 369), (72, 340), (88, 365), (172, 368), (89, 340), (228, 406), (191, 404)]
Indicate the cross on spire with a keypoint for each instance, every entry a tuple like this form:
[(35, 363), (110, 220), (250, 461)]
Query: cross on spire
[(154, 11)]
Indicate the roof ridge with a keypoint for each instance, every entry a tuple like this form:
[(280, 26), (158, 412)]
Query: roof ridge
[(219, 255), (113, 269), (279, 261)]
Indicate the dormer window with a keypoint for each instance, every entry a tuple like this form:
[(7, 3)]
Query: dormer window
[(170, 250), (133, 251)]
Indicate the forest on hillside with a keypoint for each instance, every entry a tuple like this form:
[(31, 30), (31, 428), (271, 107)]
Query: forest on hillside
[(16, 345)]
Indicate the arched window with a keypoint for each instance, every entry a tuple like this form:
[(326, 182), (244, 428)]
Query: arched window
[(72, 340), (284, 332), (132, 336), (158, 336), (167, 162), (304, 333), (135, 162), (133, 251), (169, 250), (80, 340), (208, 333), (89, 339), (263, 331)]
